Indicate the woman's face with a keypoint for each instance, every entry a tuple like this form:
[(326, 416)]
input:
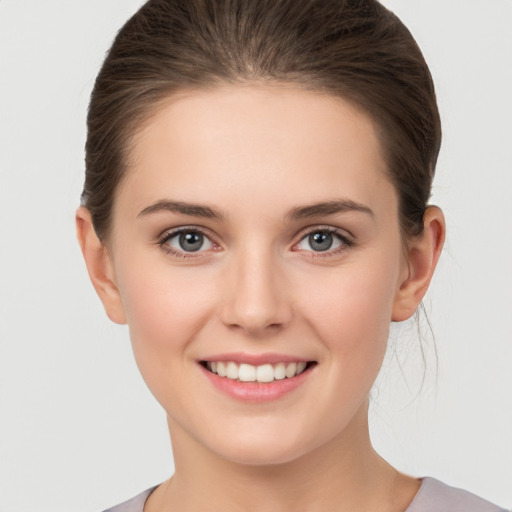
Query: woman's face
[(256, 229)]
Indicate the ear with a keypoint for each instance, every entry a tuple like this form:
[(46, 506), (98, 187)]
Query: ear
[(423, 253), (99, 266)]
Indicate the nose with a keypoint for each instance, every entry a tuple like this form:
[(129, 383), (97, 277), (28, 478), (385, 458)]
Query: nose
[(256, 298)]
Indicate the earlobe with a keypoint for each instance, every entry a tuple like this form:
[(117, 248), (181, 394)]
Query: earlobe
[(99, 266), (423, 255)]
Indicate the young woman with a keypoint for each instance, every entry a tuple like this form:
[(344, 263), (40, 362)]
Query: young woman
[(256, 210)]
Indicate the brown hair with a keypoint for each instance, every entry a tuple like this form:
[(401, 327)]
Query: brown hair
[(355, 49)]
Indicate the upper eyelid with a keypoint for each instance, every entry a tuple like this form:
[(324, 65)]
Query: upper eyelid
[(171, 232), (343, 233)]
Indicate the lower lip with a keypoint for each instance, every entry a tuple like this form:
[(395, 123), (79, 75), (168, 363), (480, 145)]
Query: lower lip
[(257, 391)]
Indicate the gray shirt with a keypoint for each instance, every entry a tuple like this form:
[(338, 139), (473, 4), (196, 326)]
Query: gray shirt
[(433, 496)]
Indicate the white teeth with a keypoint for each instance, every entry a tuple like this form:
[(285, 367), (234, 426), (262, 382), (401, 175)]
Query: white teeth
[(301, 367), (221, 369), (279, 371), (265, 373), (232, 370), (291, 369), (249, 373)]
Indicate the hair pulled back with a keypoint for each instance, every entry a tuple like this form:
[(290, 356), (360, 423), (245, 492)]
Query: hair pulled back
[(354, 49)]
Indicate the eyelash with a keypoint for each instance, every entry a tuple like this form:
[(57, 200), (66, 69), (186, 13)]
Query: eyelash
[(162, 242), (346, 242)]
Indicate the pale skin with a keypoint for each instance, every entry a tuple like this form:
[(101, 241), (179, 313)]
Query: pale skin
[(252, 160)]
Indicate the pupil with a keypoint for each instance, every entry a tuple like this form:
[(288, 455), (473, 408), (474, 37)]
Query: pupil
[(320, 241), (191, 241)]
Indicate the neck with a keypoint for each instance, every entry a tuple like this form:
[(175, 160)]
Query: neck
[(345, 474)]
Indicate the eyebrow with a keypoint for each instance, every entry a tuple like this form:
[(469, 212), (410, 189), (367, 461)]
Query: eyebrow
[(297, 213), (194, 210), (327, 208)]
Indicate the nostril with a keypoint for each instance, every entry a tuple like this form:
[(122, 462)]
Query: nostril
[(255, 301)]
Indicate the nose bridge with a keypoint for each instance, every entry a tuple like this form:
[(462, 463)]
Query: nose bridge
[(255, 294)]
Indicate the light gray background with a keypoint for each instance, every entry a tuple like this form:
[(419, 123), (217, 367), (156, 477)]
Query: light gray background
[(79, 430)]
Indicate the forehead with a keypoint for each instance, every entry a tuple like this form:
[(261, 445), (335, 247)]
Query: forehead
[(248, 142)]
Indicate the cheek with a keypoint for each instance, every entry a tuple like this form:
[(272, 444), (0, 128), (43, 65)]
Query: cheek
[(350, 308), (161, 302), (351, 315), (165, 309)]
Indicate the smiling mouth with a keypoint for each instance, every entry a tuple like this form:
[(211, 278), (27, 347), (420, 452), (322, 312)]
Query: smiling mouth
[(263, 373)]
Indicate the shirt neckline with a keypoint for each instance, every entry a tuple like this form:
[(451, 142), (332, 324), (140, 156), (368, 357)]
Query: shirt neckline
[(415, 500)]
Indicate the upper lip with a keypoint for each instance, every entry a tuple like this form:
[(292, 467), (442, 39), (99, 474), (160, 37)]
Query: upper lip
[(256, 359)]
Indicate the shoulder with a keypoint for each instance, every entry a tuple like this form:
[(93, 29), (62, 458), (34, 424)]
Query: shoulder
[(435, 496), (135, 504)]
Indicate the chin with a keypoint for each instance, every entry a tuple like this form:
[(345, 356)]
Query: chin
[(258, 455), (264, 447)]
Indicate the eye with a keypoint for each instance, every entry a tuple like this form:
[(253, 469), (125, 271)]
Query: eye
[(323, 240), (186, 241)]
